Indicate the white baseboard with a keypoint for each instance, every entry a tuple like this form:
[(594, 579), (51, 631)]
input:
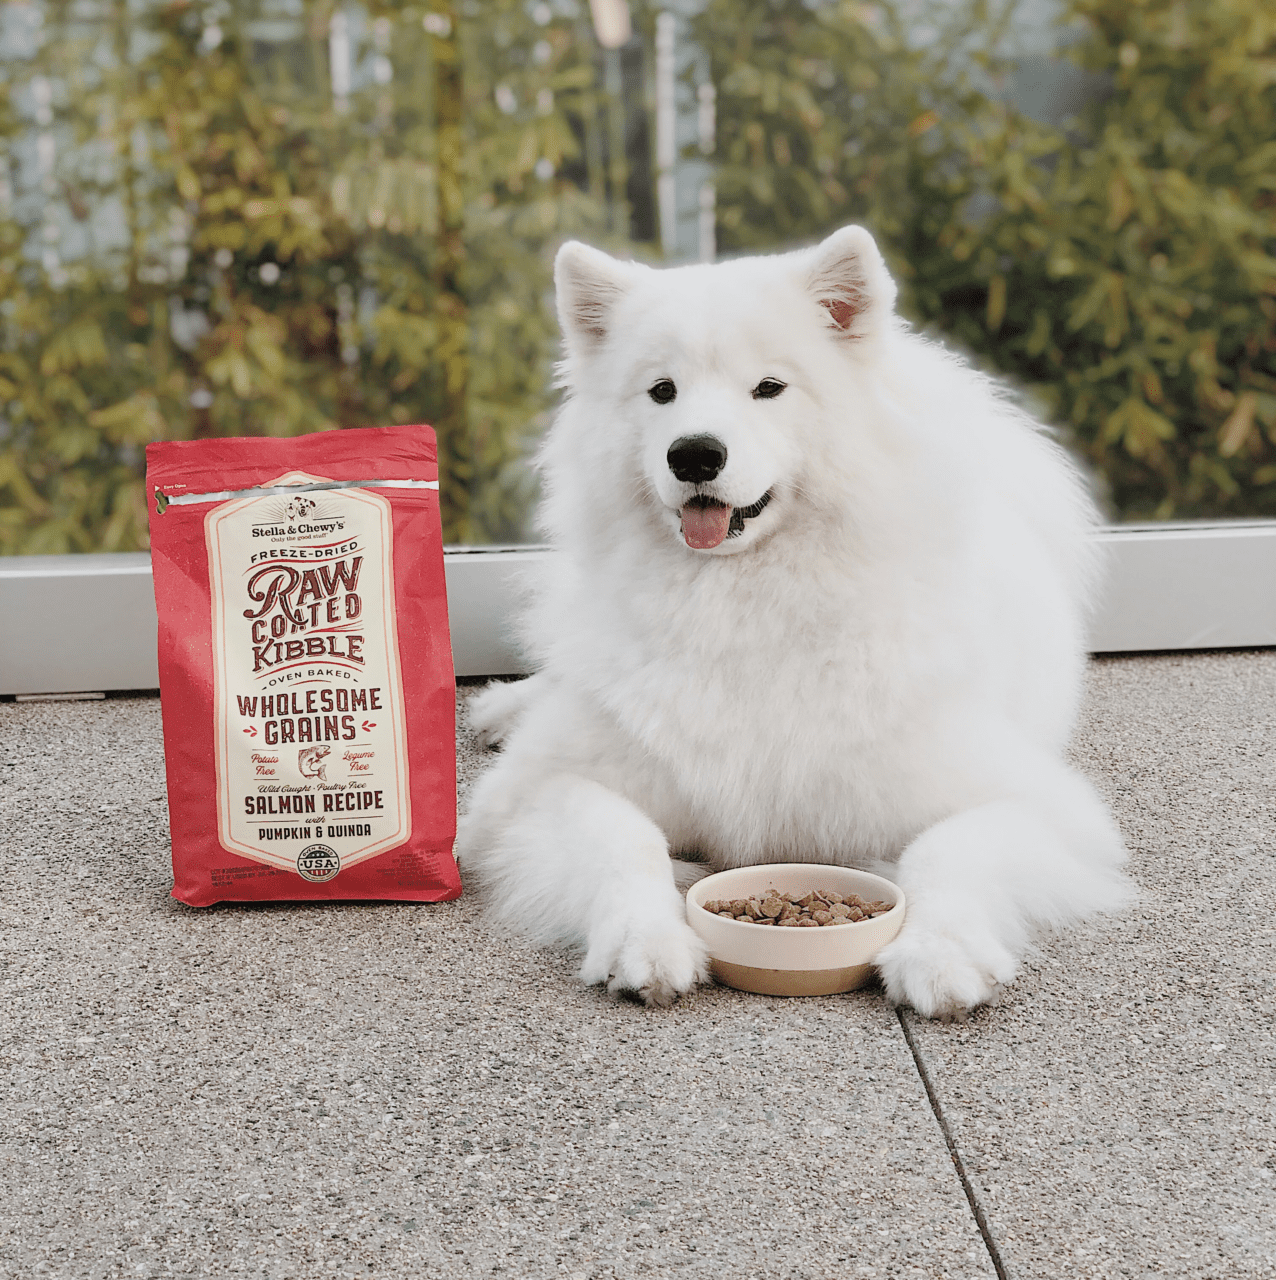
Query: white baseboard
[(87, 622), (1190, 586)]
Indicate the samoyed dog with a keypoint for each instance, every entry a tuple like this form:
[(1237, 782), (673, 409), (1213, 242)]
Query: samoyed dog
[(819, 596)]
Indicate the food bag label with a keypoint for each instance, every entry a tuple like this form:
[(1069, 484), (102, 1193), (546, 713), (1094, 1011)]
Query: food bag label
[(311, 743)]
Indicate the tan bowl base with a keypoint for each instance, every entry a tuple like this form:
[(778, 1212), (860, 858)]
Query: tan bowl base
[(791, 982)]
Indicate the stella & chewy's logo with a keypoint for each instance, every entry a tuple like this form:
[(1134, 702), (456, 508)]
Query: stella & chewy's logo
[(318, 862), (298, 519)]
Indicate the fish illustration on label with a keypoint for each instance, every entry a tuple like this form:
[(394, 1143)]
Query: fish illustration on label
[(311, 739)]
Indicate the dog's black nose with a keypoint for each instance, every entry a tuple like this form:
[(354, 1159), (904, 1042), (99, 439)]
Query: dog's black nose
[(697, 459)]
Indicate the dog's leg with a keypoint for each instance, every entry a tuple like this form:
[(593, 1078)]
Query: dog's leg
[(582, 865), (980, 883), (492, 713)]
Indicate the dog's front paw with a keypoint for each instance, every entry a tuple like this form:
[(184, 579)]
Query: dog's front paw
[(656, 959), (944, 975)]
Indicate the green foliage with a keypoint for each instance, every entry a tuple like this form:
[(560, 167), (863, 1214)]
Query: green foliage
[(824, 114), (222, 248), (1121, 269), (1127, 271), (288, 266)]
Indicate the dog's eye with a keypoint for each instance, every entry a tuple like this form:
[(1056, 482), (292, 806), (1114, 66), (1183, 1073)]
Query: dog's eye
[(663, 391), (768, 389)]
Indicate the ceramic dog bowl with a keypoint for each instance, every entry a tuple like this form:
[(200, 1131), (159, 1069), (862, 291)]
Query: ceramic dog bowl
[(793, 962)]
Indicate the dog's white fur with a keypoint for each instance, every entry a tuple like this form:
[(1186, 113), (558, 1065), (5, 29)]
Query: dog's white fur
[(882, 670)]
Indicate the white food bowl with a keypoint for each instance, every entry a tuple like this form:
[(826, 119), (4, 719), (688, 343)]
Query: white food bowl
[(794, 962)]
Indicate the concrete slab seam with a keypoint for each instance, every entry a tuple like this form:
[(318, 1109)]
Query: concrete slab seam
[(972, 1196)]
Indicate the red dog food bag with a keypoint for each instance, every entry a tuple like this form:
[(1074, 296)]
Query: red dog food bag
[(305, 667)]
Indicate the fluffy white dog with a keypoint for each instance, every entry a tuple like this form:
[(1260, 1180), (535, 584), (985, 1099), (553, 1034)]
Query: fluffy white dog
[(819, 597)]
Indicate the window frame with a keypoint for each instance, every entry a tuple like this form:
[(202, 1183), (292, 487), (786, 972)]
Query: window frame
[(86, 623)]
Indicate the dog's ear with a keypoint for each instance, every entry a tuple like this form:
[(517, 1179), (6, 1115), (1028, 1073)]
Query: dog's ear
[(847, 276), (587, 286)]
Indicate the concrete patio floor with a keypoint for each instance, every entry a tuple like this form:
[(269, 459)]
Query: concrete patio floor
[(389, 1089)]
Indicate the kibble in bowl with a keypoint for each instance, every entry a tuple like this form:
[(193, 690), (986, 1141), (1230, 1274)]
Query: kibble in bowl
[(794, 929)]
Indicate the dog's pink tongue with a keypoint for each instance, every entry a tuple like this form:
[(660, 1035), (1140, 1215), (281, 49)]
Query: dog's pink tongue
[(705, 527)]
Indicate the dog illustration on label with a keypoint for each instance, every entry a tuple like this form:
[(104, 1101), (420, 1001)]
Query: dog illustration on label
[(310, 762), (300, 508)]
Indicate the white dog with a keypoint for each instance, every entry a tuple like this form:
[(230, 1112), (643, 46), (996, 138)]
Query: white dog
[(819, 597)]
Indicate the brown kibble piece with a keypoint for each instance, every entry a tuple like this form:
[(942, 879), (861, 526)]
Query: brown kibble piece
[(752, 910), (840, 910), (726, 915), (772, 907), (713, 907), (764, 920), (807, 923), (821, 917)]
